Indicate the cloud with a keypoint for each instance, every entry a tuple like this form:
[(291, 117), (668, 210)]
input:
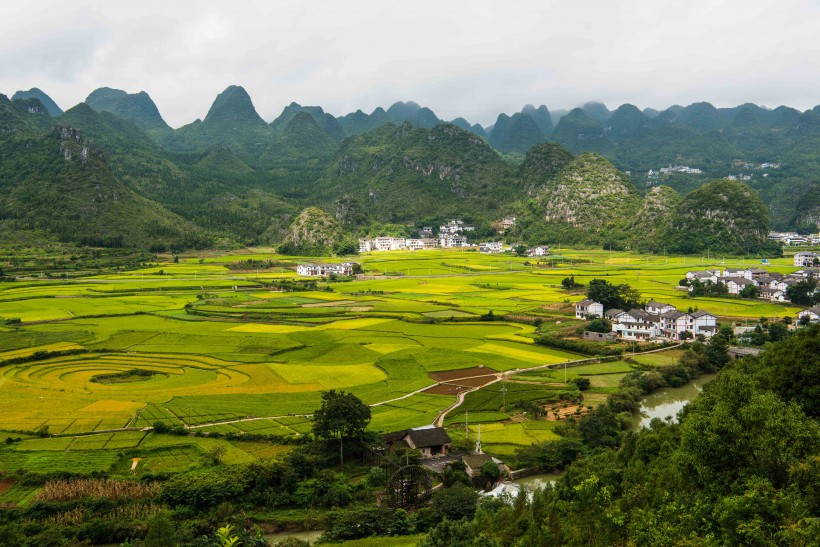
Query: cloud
[(461, 58)]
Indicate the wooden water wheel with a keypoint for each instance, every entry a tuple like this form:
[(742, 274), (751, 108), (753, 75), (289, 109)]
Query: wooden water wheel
[(409, 486)]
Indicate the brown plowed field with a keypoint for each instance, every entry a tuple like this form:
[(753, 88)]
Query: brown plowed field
[(456, 381), (450, 375)]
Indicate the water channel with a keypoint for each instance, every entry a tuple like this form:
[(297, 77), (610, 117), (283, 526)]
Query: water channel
[(667, 402)]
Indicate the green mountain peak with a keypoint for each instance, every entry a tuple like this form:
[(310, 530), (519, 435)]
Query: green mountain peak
[(36, 93)]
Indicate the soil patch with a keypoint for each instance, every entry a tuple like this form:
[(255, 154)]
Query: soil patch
[(456, 381), (452, 375), (5, 485), (445, 389), (563, 413)]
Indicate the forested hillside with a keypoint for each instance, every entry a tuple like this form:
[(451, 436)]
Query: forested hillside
[(235, 178)]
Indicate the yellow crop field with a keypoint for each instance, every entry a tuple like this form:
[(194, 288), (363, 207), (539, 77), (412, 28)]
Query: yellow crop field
[(516, 353), (270, 329), (331, 376), (59, 346), (352, 324)]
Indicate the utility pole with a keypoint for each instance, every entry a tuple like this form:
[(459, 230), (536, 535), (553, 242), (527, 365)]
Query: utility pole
[(467, 425), (503, 391)]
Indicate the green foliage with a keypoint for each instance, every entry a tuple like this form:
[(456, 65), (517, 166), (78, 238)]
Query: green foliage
[(342, 415), (447, 171), (599, 325), (569, 283), (315, 233), (722, 216), (455, 503), (622, 297), (804, 292)]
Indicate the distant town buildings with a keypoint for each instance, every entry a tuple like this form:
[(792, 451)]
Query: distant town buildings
[(771, 286), (793, 238)]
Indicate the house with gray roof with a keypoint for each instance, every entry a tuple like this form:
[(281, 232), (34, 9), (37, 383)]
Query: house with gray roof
[(429, 440)]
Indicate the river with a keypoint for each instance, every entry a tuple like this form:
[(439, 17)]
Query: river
[(669, 401)]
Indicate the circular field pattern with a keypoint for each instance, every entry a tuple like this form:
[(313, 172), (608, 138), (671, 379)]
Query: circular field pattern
[(174, 376)]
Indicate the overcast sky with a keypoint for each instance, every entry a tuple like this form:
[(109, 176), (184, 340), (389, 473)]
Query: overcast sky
[(471, 58)]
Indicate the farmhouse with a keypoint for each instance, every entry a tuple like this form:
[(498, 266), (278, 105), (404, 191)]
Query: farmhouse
[(660, 320), (541, 250), (734, 272), (637, 325), (504, 224), (429, 440), (586, 308), (807, 272), (658, 307), (703, 275), (452, 240), (491, 247), (321, 270), (806, 259), (474, 464), (736, 284), (812, 313)]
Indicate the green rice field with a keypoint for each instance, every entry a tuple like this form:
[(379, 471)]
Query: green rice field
[(208, 347)]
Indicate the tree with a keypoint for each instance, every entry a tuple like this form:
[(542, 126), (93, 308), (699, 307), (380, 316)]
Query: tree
[(569, 283), (750, 291), (161, 531), (622, 297), (803, 292), (342, 415), (777, 331), (599, 325)]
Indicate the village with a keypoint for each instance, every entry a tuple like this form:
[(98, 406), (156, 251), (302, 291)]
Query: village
[(451, 235), (661, 321)]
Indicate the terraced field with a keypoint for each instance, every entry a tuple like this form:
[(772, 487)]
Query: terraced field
[(200, 345)]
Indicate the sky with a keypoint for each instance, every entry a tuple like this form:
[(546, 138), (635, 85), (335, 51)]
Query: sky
[(473, 58)]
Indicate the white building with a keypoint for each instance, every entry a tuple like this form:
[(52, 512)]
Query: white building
[(734, 272), (812, 313), (365, 245), (658, 308), (541, 250), (675, 323), (586, 308), (637, 325), (492, 247), (321, 270), (736, 284), (451, 240), (805, 259), (648, 324), (703, 274)]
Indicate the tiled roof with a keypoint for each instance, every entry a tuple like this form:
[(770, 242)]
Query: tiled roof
[(429, 436), (476, 461)]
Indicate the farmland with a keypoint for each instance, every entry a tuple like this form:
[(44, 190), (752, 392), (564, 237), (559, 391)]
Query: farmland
[(95, 359)]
